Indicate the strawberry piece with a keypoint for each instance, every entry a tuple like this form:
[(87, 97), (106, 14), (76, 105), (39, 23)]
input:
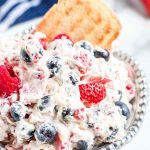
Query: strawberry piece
[(98, 79), (8, 84), (146, 5), (10, 66), (84, 62), (84, 59), (43, 43), (79, 114), (59, 144), (95, 79), (63, 36), (92, 92)]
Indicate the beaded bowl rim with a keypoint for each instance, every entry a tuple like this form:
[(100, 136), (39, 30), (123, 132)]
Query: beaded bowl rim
[(142, 95)]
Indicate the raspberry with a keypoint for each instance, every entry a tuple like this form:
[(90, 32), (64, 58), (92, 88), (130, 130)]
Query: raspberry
[(92, 92), (10, 66), (63, 36), (8, 83), (43, 43)]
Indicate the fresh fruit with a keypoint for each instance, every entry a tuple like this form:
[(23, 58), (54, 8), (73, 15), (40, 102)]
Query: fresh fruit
[(8, 82), (84, 62), (146, 5), (124, 108), (113, 132), (92, 92), (85, 45), (60, 145), (120, 94), (74, 77), (25, 56), (54, 64), (79, 114), (2, 147), (102, 53), (43, 43), (56, 108), (44, 102), (31, 54), (98, 79), (10, 66), (46, 132), (82, 145), (66, 114), (130, 89), (63, 36), (17, 111)]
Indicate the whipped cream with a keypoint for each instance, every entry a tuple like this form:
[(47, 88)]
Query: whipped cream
[(47, 113)]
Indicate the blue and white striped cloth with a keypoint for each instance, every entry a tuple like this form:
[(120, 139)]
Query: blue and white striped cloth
[(16, 11)]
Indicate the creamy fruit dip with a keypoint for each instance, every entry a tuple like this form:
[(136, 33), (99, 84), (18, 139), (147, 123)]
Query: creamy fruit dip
[(61, 95)]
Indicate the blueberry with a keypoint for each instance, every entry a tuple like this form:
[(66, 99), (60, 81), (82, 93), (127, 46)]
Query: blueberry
[(25, 56), (74, 77), (46, 133), (124, 108), (86, 45), (90, 125), (67, 113), (56, 108), (54, 64), (120, 95), (17, 111), (2, 147), (44, 102), (103, 145), (82, 145), (113, 133), (102, 53), (31, 133)]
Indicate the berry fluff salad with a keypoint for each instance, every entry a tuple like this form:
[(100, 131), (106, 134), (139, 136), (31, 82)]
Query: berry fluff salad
[(61, 95)]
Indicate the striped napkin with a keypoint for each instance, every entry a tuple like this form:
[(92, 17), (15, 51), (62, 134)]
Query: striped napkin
[(13, 12)]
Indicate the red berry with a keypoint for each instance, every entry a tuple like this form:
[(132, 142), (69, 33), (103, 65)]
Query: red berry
[(128, 87), (146, 5), (98, 79), (43, 43), (92, 92), (61, 36), (33, 31), (8, 84), (79, 114), (84, 60), (9, 67)]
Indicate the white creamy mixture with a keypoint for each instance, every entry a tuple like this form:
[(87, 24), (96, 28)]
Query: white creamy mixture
[(48, 113)]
